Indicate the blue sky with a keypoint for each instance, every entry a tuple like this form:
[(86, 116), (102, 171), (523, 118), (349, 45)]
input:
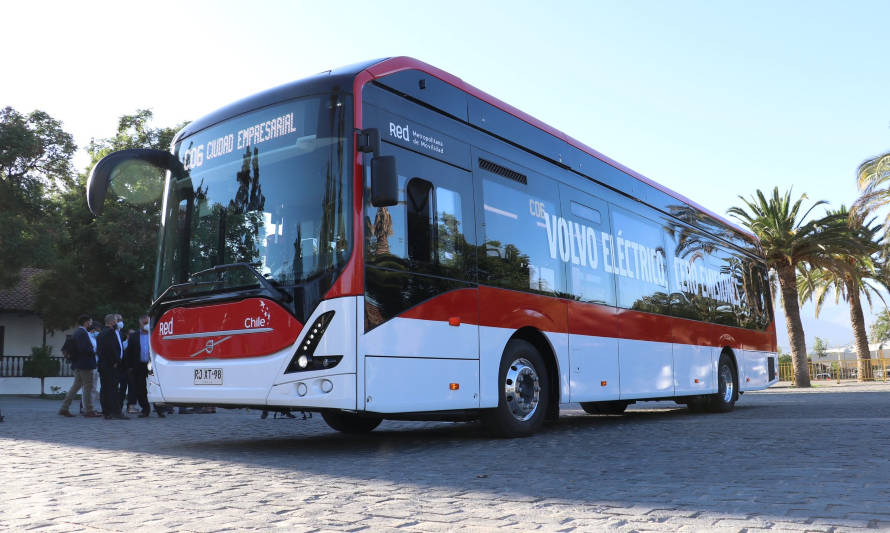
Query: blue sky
[(712, 99)]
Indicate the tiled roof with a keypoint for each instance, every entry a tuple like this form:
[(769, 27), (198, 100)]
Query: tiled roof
[(21, 296)]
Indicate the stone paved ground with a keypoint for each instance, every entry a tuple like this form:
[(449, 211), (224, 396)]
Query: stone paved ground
[(783, 460)]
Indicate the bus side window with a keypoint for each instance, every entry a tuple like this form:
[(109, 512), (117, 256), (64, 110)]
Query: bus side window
[(517, 249), (725, 301), (590, 281), (449, 227), (435, 228), (420, 219), (637, 255), (687, 250)]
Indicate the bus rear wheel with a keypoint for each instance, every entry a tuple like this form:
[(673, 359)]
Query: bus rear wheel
[(523, 392), (727, 385), (350, 422), (605, 408)]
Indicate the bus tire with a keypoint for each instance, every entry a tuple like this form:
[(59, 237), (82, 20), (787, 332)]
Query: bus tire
[(727, 386), (350, 422), (523, 392), (605, 408)]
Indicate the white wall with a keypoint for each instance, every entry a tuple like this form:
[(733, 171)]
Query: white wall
[(24, 331), (32, 385)]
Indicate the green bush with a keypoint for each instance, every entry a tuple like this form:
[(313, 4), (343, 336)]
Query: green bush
[(41, 365)]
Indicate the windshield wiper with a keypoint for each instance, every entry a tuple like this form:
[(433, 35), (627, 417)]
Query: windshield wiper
[(267, 284), (179, 288)]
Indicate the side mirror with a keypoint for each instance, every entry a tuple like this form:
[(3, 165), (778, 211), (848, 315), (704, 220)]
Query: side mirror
[(384, 181), (110, 166)]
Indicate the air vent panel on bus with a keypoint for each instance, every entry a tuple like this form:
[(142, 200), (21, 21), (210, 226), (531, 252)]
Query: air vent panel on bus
[(495, 168)]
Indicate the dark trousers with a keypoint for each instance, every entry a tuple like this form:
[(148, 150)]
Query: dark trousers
[(123, 380), (108, 394), (139, 390)]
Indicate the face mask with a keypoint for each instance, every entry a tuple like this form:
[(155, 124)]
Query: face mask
[(145, 328), (120, 325)]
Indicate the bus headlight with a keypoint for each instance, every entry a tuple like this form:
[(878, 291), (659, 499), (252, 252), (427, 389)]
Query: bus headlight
[(304, 359)]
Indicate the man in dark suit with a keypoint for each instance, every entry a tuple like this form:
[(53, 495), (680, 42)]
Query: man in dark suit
[(83, 361), (122, 375), (136, 359), (110, 350)]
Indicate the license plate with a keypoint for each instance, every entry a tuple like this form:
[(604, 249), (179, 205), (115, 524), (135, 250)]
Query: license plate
[(208, 376)]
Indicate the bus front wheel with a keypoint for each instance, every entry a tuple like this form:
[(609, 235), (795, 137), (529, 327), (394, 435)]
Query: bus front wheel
[(350, 422), (523, 392)]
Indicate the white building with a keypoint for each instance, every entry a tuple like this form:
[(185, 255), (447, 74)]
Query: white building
[(878, 350), (21, 328)]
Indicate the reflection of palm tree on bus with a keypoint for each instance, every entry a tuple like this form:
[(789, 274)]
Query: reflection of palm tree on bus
[(382, 230)]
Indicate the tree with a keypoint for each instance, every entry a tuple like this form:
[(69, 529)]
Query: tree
[(41, 365), (879, 331), (788, 239), (820, 348), (859, 274), (107, 264), (35, 157), (873, 179)]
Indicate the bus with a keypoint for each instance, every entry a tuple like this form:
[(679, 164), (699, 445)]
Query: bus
[(385, 241)]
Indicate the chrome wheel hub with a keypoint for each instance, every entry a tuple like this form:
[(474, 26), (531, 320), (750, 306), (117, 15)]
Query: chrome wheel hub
[(728, 384), (522, 389)]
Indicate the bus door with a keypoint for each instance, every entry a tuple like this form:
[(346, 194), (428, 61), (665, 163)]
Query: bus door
[(421, 308), (637, 257), (593, 324)]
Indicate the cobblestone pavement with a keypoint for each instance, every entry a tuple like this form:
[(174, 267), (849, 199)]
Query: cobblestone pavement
[(783, 460)]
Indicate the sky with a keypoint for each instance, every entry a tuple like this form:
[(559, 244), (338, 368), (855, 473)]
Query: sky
[(711, 99)]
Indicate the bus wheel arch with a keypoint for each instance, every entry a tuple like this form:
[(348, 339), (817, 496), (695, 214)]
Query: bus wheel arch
[(537, 338), (727, 376), (730, 353)]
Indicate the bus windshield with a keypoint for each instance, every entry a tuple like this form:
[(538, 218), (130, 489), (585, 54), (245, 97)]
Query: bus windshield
[(267, 188)]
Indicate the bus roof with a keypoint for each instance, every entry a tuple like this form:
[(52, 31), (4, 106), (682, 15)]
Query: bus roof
[(397, 64)]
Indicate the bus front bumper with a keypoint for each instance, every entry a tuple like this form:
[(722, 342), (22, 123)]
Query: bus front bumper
[(312, 391)]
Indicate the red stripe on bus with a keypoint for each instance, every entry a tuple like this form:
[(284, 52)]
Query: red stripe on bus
[(462, 303), (502, 308), (645, 326)]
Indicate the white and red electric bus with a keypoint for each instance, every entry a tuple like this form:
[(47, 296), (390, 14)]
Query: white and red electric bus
[(387, 241)]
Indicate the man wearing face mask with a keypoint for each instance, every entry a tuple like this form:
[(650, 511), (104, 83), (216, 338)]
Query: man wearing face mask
[(83, 363), (110, 351), (137, 356), (122, 376), (94, 334)]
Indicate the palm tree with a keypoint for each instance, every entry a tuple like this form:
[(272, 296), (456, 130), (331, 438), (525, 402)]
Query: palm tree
[(873, 177), (863, 276), (787, 241), (383, 230)]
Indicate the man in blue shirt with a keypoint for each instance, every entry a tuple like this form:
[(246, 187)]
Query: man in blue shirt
[(83, 362)]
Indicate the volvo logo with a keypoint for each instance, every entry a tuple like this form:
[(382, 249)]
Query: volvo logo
[(210, 345)]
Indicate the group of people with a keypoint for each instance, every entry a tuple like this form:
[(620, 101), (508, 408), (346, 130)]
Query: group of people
[(119, 361)]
